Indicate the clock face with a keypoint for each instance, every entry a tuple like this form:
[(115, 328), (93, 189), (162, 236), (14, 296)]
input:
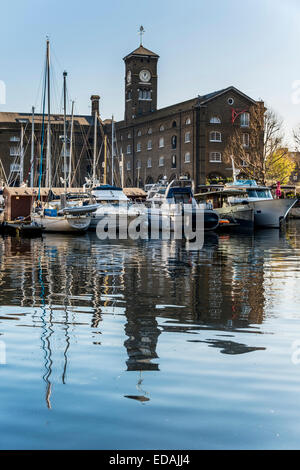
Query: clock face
[(145, 75), (128, 78)]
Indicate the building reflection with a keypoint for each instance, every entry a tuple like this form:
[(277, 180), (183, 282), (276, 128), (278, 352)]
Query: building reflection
[(157, 287)]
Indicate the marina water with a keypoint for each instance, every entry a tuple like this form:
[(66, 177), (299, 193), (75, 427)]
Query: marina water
[(145, 345)]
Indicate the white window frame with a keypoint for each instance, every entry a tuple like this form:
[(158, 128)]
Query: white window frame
[(246, 140), (128, 166), (149, 163), (187, 137), (14, 138), (149, 144), (149, 131), (215, 120), (216, 133), (15, 167), (161, 128), (139, 133), (138, 164), (213, 157), (161, 142), (245, 119), (188, 121), (138, 147), (187, 157), (161, 161), (128, 150), (14, 151)]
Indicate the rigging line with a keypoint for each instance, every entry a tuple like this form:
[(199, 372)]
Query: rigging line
[(42, 139)]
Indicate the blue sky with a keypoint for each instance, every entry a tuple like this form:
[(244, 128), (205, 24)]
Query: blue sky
[(203, 46)]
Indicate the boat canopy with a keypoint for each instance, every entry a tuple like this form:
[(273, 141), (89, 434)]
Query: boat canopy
[(107, 192)]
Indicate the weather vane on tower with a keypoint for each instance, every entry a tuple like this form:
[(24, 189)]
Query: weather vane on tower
[(141, 32)]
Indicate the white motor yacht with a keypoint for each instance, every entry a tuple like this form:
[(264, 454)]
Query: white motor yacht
[(268, 212), (168, 205), (112, 203)]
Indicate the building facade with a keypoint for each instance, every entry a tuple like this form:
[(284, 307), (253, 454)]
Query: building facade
[(187, 138), (15, 146)]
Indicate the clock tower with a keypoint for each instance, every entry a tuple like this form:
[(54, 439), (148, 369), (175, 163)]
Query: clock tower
[(140, 83)]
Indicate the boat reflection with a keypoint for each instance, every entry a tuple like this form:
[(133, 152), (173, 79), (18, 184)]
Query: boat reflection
[(155, 287)]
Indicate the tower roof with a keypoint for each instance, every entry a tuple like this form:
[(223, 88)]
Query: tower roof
[(141, 51)]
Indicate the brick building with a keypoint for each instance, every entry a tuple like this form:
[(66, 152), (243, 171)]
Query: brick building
[(15, 139), (187, 138)]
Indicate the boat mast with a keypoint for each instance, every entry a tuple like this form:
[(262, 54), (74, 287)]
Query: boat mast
[(105, 158), (48, 166), (95, 150), (71, 145), (32, 151), (122, 166), (22, 156), (112, 150), (65, 132)]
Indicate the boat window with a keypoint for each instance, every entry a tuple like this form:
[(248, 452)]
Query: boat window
[(252, 193), (182, 197), (263, 193)]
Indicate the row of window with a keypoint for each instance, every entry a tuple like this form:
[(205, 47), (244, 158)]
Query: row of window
[(161, 128), (161, 143), (216, 157), (215, 136), (161, 162), (244, 120)]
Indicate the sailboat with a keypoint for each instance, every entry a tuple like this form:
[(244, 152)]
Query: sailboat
[(113, 204), (70, 212)]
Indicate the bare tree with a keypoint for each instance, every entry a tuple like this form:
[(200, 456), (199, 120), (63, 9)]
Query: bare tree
[(253, 156)]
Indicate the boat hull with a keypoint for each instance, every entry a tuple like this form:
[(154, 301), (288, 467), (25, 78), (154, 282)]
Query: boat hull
[(159, 219), (63, 223), (271, 213), (241, 216)]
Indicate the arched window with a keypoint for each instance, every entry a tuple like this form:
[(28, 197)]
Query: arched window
[(187, 157), (161, 161), (173, 161), (128, 182), (245, 120), (174, 142), (129, 135), (150, 130), (161, 142), (215, 136), (187, 137), (162, 128), (215, 157), (139, 133), (245, 140), (174, 124), (149, 145), (215, 120), (187, 121)]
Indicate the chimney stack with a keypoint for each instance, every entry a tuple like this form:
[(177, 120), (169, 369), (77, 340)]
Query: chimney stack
[(95, 104)]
